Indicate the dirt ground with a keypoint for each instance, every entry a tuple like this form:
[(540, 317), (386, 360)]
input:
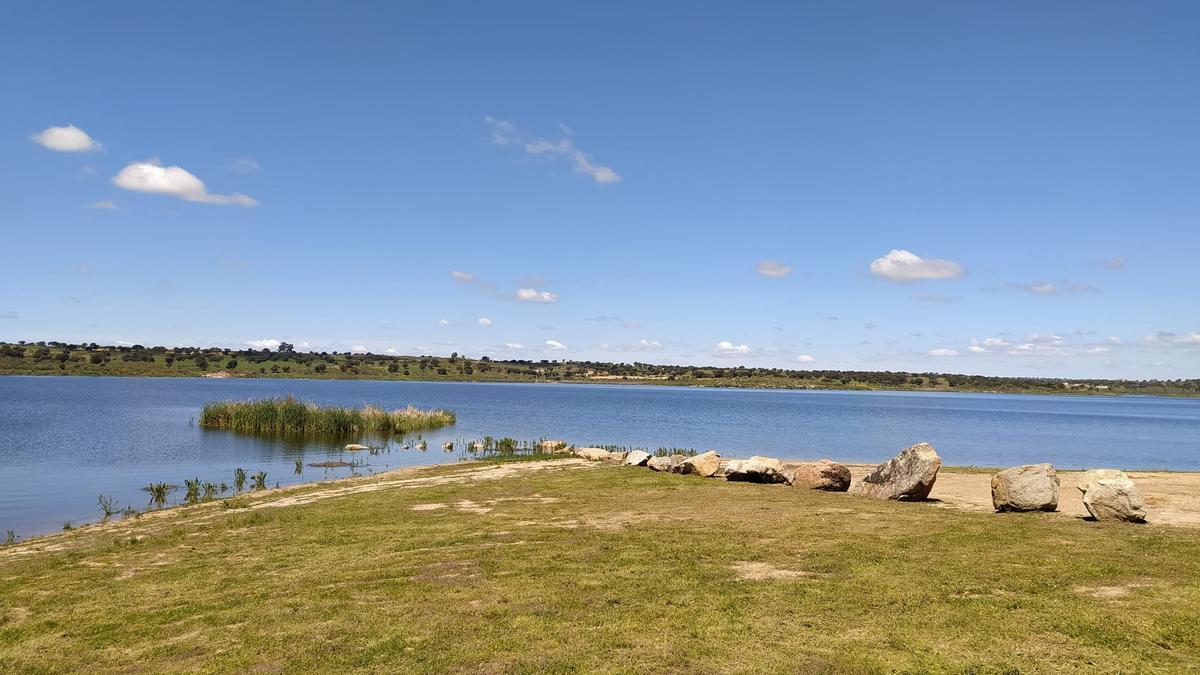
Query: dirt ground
[(1171, 498)]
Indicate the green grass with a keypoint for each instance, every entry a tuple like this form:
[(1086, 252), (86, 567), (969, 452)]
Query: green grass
[(598, 569), (289, 416)]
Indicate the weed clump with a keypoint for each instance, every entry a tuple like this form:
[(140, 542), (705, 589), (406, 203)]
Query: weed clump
[(289, 416)]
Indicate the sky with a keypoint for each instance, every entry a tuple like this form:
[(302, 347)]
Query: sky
[(992, 188)]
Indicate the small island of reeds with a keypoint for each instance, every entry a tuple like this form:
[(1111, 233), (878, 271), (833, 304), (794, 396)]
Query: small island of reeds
[(289, 416)]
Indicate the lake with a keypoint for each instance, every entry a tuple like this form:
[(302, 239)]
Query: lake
[(66, 440)]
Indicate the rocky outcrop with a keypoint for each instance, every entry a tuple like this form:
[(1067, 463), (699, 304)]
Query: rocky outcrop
[(1032, 487), (664, 463), (822, 475), (755, 470), (908, 476), (1109, 494), (637, 458), (705, 464)]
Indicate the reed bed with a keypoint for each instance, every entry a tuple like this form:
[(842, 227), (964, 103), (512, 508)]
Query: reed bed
[(289, 416)]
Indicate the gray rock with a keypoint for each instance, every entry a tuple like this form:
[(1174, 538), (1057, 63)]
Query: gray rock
[(637, 458), (908, 476), (664, 463), (591, 454), (1032, 487), (756, 470), (822, 475), (705, 464), (1109, 494)]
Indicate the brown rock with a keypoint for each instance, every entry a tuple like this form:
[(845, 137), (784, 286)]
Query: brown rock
[(822, 475), (908, 476), (705, 464)]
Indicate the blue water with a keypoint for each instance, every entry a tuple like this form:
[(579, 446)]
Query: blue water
[(66, 440)]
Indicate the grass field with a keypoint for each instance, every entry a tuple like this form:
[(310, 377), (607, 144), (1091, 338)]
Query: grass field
[(572, 567)]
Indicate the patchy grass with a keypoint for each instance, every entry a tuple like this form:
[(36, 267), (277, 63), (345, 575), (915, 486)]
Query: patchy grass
[(289, 416), (568, 566)]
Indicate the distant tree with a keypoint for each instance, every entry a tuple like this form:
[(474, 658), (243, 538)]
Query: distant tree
[(286, 347), (231, 364)]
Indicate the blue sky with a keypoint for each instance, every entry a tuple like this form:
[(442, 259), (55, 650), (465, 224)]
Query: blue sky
[(997, 188)]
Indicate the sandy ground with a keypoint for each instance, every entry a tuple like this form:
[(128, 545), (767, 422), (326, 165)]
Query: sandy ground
[(1171, 498)]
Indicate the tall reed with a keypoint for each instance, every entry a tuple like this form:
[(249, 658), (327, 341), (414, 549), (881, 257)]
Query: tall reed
[(289, 416)]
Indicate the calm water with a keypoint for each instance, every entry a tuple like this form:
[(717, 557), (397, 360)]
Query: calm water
[(64, 440)]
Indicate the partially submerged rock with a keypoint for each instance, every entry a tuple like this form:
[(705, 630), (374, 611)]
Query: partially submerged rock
[(821, 475), (1109, 494), (664, 463), (756, 470), (908, 476), (705, 464), (356, 447), (1032, 487), (637, 458)]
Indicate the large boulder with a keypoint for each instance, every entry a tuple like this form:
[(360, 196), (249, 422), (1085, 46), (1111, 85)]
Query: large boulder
[(756, 470), (1109, 494), (705, 464), (637, 458), (591, 454), (908, 476), (1032, 487), (822, 475), (664, 463)]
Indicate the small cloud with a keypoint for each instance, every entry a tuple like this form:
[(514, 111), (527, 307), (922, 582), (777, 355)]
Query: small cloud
[(245, 165), (870, 325), (152, 177), (772, 268), (468, 278), (902, 266), (391, 350), (725, 347), (976, 349), (358, 349), (1171, 339), (507, 134), (264, 344), (103, 205), (534, 295), (565, 129), (935, 297), (1097, 349), (1045, 288), (941, 351), (514, 345), (443, 322), (806, 358), (65, 139), (1109, 264), (483, 321), (555, 345)]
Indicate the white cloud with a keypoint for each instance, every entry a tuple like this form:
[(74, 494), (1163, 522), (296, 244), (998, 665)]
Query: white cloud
[(649, 344), (806, 358), (902, 266), (483, 321), (263, 344), (443, 322), (1046, 288), (151, 176), (534, 295), (642, 345), (726, 347), (1171, 339), (506, 134), (245, 165), (103, 205), (514, 345), (976, 349), (359, 349), (468, 278), (391, 350), (555, 345), (772, 268), (65, 139), (941, 351)]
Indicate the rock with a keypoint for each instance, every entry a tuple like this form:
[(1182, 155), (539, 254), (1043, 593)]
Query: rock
[(664, 463), (908, 476), (591, 454), (1032, 487), (756, 470), (705, 464), (355, 447), (1109, 494), (552, 446), (618, 457), (637, 458), (822, 475)]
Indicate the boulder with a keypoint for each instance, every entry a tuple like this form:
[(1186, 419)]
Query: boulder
[(756, 470), (908, 476), (1109, 494), (822, 475), (705, 464), (1032, 487), (637, 458), (618, 457), (591, 454), (356, 447), (664, 463)]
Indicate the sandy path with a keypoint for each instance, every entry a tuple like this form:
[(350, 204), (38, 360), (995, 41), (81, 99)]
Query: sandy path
[(1172, 498)]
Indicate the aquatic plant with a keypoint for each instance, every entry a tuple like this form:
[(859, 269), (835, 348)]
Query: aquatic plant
[(68, 526), (108, 507), (210, 491), (193, 490), (299, 466), (158, 493), (239, 479), (130, 512), (260, 480), (10, 538), (289, 416)]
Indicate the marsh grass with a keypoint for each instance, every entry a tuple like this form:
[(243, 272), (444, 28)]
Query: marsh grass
[(289, 416), (108, 507)]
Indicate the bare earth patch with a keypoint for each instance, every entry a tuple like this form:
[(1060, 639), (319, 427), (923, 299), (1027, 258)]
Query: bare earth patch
[(1110, 592), (759, 571), (427, 507)]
